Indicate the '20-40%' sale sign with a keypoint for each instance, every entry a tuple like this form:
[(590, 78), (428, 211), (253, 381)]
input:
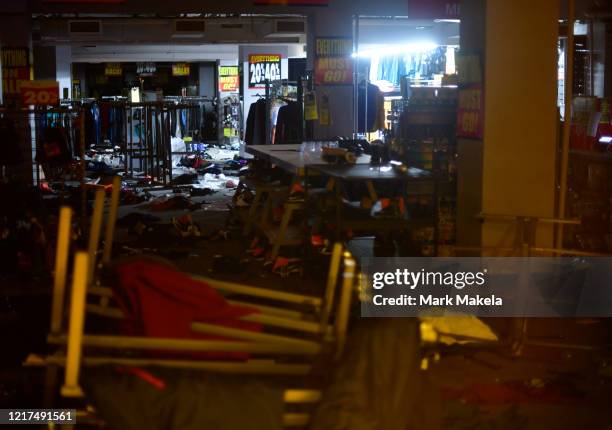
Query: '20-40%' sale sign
[(262, 68), (40, 93)]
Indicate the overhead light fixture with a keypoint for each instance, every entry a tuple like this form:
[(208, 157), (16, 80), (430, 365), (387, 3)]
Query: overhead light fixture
[(447, 20), (395, 50)]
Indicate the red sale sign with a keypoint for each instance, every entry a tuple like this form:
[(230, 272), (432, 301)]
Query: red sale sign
[(470, 112), (41, 93)]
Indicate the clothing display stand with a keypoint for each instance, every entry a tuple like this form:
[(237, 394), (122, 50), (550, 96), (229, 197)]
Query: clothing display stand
[(425, 139)]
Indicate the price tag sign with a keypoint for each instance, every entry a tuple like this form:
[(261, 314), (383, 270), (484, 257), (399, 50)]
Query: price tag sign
[(262, 68), (113, 69), (41, 93), (470, 112), (180, 69), (333, 61), (229, 79)]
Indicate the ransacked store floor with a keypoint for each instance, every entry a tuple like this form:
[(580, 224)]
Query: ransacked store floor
[(477, 389), (193, 224)]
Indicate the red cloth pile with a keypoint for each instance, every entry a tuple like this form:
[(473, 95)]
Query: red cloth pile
[(159, 301)]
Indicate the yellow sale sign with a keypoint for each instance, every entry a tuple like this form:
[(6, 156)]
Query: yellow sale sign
[(41, 93), (180, 69)]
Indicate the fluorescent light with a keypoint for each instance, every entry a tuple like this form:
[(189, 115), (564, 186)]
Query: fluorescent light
[(395, 49), (605, 139)]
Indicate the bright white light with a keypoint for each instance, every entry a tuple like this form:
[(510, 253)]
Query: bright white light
[(396, 49), (605, 139)]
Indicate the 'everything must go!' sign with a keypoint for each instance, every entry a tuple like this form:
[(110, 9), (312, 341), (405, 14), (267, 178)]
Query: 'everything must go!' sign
[(333, 61)]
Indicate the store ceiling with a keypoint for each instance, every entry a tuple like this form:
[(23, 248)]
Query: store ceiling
[(177, 31), (403, 31)]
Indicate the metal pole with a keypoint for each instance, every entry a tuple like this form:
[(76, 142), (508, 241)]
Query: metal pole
[(112, 219), (61, 267), (94, 232), (355, 76), (569, 90)]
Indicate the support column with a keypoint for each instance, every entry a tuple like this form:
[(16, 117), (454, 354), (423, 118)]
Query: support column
[(519, 147), (63, 70)]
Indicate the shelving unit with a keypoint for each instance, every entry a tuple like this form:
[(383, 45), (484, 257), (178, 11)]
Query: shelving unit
[(423, 136), (590, 200)]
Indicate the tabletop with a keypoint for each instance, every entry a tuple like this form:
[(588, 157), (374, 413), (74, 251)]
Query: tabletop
[(291, 158), (367, 172)]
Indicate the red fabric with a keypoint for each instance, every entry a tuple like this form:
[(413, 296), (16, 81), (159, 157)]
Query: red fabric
[(160, 301)]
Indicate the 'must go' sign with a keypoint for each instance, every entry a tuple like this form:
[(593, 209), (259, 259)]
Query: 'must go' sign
[(333, 62)]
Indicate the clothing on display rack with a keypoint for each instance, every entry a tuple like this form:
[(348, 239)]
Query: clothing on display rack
[(287, 124), (372, 104), (112, 117), (415, 65), (255, 133)]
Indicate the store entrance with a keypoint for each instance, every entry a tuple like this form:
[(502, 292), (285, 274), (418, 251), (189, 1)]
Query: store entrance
[(406, 95), (190, 85)]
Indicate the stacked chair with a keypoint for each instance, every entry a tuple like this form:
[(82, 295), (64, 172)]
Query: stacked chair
[(298, 331)]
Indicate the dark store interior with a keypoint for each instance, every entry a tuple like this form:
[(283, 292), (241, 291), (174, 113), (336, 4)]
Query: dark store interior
[(306, 214)]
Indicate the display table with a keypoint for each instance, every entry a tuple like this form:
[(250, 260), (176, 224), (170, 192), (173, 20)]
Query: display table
[(414, 181), (291, 158)]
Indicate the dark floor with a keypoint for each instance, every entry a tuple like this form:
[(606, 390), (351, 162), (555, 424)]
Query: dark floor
[(469, 388)]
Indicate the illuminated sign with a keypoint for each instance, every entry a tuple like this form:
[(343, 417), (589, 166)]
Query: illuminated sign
[(146, 69), (180, 69), (229, 79), (113, 69), (262, 68), (333, 61)]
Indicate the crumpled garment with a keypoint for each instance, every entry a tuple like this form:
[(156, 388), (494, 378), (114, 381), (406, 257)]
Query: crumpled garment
[(159, 301)]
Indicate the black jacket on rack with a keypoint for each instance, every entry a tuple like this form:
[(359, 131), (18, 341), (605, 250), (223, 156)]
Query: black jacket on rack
[(255, 133), (288, 124)]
